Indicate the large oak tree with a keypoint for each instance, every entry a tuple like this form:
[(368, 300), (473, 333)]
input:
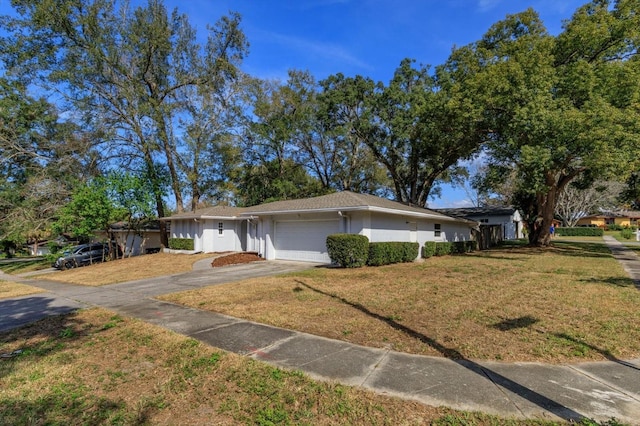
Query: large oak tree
[(560, 108)]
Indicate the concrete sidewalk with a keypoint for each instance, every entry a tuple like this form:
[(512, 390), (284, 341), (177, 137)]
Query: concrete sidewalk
[(600, 391)]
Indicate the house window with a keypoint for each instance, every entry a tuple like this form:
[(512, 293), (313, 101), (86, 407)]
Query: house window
[(220, 228), (484, 220), (437, 230)]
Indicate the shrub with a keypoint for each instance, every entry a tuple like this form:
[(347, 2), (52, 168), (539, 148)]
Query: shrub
[(348, 250), (410, 251), (580, 232), (386, 253), (459, 247), (472, 245), (443, 248), (181, 243), (429, 249), (626, 233)]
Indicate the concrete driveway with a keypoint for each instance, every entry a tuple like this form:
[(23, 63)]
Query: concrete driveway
[(63, 298)]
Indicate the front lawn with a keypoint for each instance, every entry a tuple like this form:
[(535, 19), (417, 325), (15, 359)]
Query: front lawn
[(97, 368), (571, 302), (10, 289), (128, 269)]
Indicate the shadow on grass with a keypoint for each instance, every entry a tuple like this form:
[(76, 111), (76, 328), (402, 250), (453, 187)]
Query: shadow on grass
[(613, 281), (605, 353), (68, 405), (513, 323), (561, 248), (496, 378), (39, 339)]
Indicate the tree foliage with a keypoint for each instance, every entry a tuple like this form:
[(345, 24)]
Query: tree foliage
[(88, 210), (554, 104), (179, 121)]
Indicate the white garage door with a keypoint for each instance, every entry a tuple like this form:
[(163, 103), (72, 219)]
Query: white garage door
[(304, 240)]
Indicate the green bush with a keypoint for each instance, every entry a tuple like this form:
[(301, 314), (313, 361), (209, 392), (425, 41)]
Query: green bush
[(443, 248), (387, 253), (181, 243), (626, 233), (472, 245), (429, 249), (580, 232), (458, 247), (348, 250)]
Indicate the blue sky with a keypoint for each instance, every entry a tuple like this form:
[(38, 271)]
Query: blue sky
[(365, 37)]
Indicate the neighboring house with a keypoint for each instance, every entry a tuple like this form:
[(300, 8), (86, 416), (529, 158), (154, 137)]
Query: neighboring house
[(297, 229), (508, 218), (622, 218), (39, 249), (142, 239)]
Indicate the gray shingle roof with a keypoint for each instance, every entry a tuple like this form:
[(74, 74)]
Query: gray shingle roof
[(470, 212), (345, 200), (210, 212)]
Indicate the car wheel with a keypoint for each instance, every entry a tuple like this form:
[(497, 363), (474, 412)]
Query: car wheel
[(69, 264)]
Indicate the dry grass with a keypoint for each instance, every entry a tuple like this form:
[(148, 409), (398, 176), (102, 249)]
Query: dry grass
[(129, 269), (9, 289), (573, 302), (94, 367)]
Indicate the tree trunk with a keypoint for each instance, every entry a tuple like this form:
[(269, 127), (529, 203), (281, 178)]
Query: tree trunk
[(546, 205)]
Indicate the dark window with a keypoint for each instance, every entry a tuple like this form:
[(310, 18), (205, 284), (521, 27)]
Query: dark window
[(437, 229)]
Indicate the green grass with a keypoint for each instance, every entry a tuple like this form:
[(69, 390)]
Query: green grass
[(94, 368), (22, 266)]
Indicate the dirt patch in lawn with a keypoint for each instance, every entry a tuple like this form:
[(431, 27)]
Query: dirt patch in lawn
[(95, 367), (569, 303), (235, 259)]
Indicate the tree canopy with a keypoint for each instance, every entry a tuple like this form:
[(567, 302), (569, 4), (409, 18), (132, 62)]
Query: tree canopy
[(139, 96), (560, 109)]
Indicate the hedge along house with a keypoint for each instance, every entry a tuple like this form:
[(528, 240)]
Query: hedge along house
[(298, 229)]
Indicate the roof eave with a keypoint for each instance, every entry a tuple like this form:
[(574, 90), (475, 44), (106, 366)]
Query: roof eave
[(397, 212)]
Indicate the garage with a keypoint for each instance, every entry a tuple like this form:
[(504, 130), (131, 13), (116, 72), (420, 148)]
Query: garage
[(304, 240)]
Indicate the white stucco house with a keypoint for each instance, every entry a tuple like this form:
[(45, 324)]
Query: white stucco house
[(297, 229), (508, 218)]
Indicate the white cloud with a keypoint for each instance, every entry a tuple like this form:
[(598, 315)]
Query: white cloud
[(317, 49), (485, 5)]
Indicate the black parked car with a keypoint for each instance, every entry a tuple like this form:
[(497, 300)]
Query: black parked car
[(84, 254)]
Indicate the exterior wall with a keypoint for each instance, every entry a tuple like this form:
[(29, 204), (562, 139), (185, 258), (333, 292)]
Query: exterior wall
[(42, 249), (381, 228), (512, 225), (187, 228), (214, 241), (590, 220), (205, 234), (602, 221), (452, 232), (133, 244), (623, 221)]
